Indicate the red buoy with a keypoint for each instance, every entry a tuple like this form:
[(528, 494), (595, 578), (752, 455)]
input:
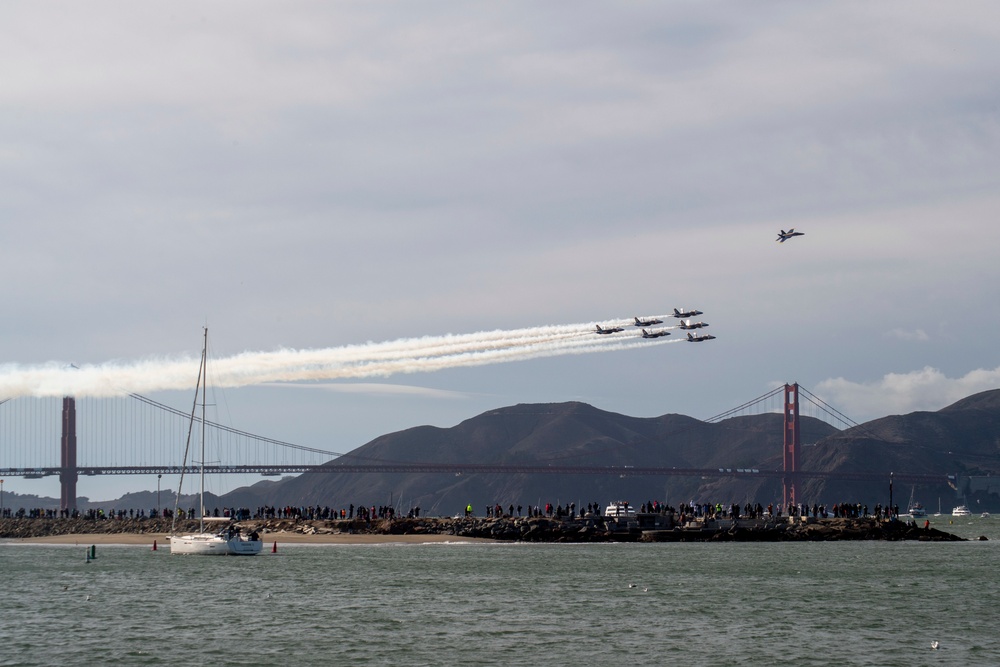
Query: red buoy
[(274, 549), (154, 545)]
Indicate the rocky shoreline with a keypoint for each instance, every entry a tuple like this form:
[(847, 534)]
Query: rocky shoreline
[(657, 528)]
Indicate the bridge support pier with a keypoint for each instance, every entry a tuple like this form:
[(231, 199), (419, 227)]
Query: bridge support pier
[(792, 445), (68, 475)]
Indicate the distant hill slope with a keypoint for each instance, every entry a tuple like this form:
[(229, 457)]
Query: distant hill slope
[(962, 439), (567, 434)]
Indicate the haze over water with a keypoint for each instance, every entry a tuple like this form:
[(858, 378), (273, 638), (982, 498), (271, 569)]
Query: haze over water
[(856, 603)]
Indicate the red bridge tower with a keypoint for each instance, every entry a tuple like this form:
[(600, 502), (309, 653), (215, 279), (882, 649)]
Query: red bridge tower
[(69, 475), (792, 444)]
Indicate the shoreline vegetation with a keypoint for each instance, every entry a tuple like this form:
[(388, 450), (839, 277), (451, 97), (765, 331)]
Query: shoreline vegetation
[(657, 528)]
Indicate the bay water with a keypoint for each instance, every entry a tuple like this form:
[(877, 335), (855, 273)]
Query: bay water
[(829, 603)]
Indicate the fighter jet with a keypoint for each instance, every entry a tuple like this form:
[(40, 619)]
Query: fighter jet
[(656, 333), (646, 323), (688, 324), (686, 313), (784, 236), (699, 338), (609, 330)]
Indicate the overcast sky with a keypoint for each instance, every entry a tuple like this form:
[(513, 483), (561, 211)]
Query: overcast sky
[(326, 174)]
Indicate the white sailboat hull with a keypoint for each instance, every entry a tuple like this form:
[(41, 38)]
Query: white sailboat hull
[(201, 544), (207, 544)]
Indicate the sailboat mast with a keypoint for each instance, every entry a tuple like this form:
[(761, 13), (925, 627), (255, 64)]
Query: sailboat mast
[(187, 445), (204, 376)]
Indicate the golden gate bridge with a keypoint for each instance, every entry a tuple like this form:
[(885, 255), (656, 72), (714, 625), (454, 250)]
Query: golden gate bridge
[(145, 437)]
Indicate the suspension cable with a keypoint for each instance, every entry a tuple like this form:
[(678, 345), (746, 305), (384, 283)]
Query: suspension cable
[(235, 431), (740, 408), (827, 408)]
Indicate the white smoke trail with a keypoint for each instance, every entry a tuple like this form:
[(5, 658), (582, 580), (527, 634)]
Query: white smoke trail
[(408, 355)]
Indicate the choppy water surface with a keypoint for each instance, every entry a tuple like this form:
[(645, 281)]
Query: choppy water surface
[(858, 603)]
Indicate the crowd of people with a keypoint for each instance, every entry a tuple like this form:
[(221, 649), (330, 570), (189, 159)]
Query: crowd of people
[(684, 512)]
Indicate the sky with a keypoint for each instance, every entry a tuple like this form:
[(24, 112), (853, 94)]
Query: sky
[(334, 178)]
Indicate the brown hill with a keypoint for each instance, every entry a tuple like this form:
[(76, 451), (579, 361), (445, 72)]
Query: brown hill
[(962, 439), (563, 434)]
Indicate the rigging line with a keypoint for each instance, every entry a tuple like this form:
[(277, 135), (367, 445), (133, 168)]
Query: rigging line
[(187, 445)]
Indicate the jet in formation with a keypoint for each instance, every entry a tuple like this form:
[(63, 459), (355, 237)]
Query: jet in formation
[(686, 313), (656, 333), (647, 323), (688, 324), (609, 330), (698, 338), (784, 236)]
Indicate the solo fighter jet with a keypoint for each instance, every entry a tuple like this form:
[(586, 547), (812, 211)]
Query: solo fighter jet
[(646, 323), (688, 324), (699, 338), (784, 236), (686, 313), (609, 330)]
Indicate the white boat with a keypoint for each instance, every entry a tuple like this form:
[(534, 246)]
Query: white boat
[(961, 510), (619, 509), (228, 541), (202, 543), (915, 509)]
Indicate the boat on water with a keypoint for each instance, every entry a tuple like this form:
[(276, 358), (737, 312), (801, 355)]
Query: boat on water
[(229, 540), (915, 509), (984, 515), (961, 510)]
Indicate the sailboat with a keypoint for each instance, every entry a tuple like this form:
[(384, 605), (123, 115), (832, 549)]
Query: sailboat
[(914, 508), (229, 540)]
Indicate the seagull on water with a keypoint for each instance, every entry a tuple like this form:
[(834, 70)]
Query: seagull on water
[(935, 645)]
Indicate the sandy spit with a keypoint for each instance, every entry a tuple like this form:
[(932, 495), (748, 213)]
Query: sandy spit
[(269, 539)]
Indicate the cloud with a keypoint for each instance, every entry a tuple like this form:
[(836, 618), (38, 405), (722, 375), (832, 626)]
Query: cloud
[(902, 393)]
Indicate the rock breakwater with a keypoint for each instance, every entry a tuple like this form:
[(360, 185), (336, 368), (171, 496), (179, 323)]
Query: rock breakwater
[(658, 528)]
